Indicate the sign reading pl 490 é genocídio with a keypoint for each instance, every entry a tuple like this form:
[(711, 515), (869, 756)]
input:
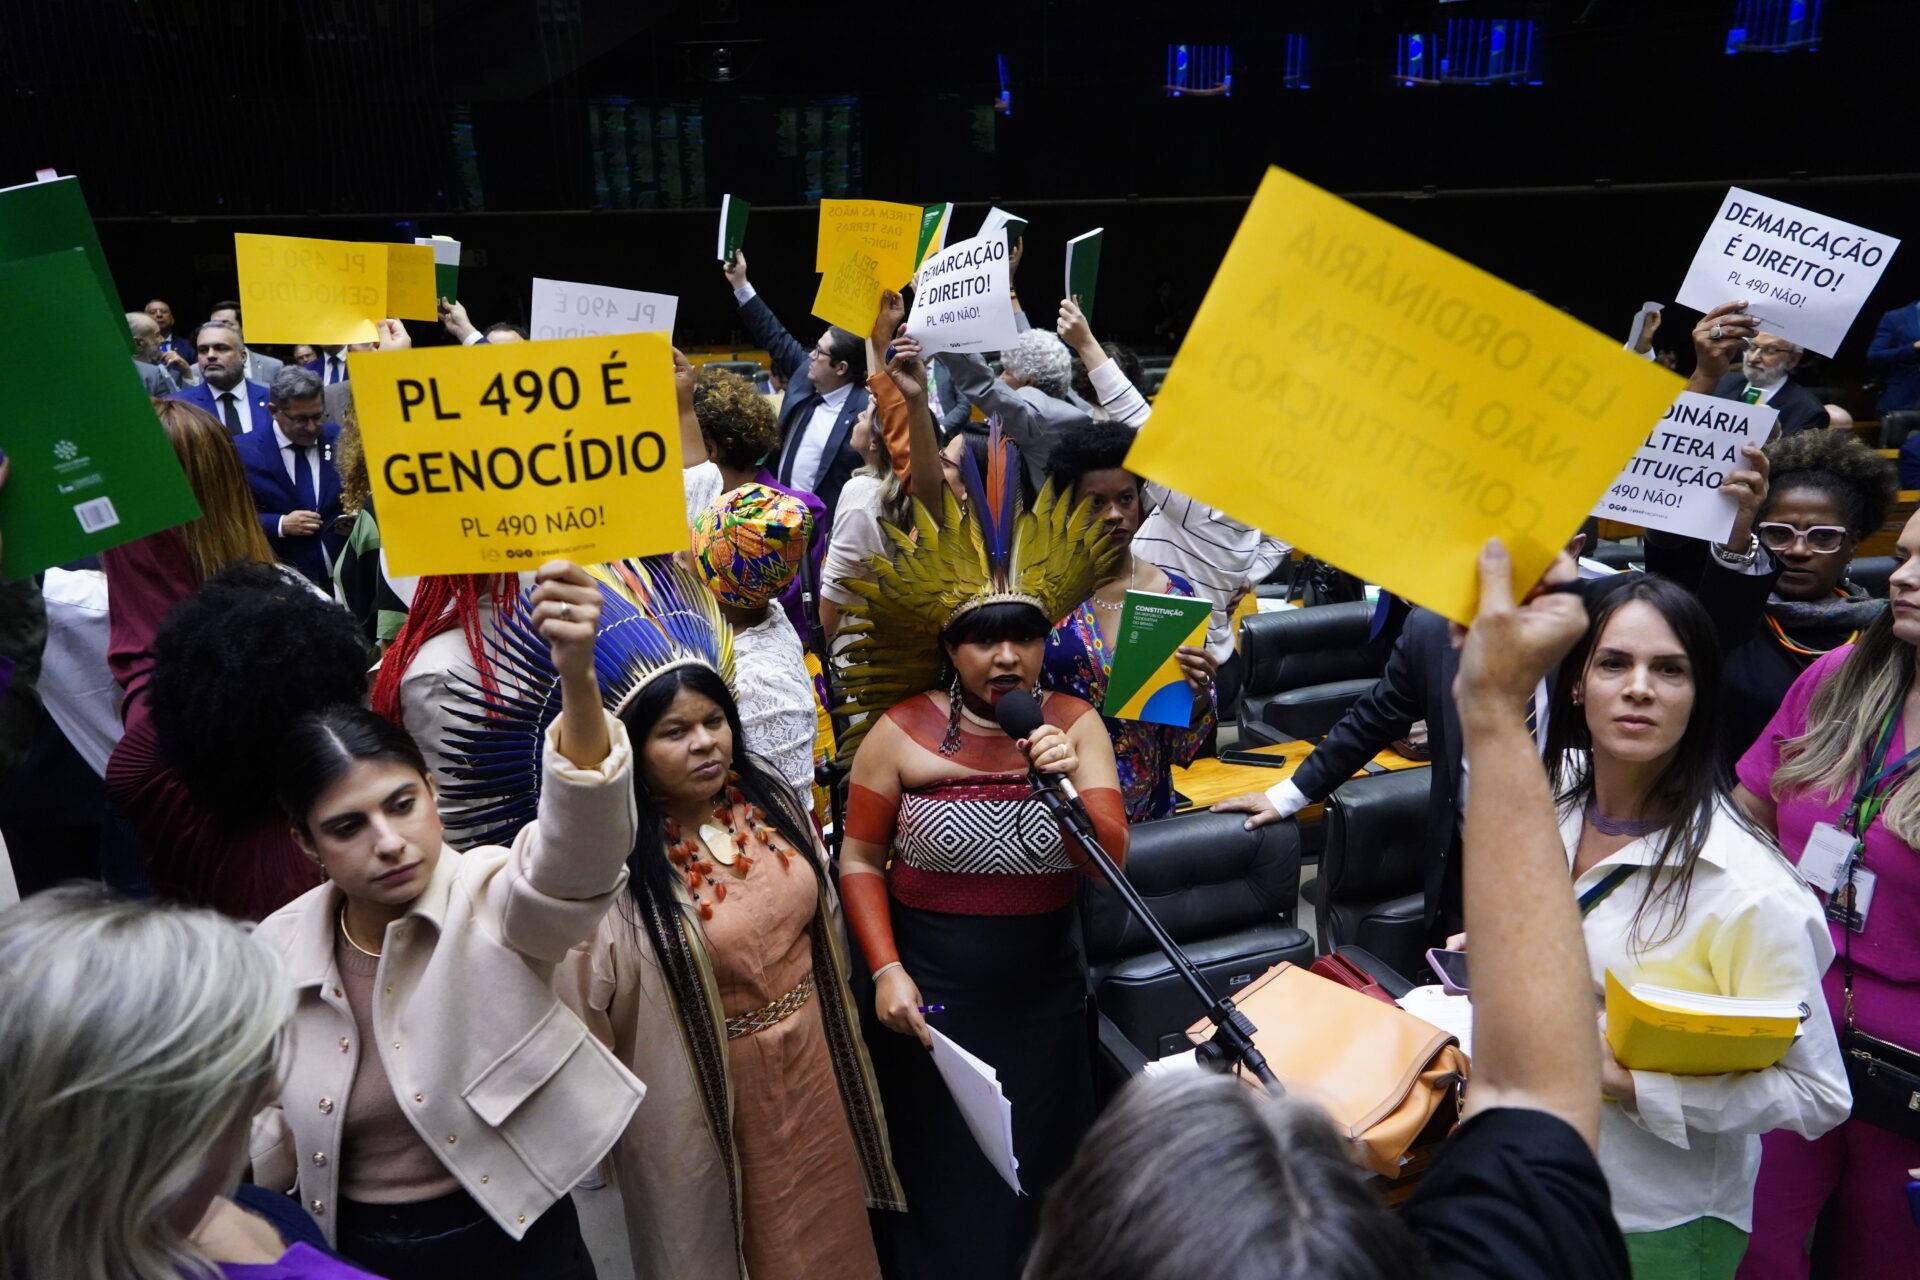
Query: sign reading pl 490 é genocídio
[(487, 458)]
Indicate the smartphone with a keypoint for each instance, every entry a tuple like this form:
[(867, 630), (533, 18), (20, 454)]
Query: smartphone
[(1452, 968), (1265, 760)]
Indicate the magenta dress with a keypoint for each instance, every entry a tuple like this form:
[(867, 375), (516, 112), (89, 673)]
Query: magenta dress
[(1860, 1168)]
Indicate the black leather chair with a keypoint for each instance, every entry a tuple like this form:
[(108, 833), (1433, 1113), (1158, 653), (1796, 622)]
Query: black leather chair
[(1896, 425), (1618, 555), (1226, 895), (1371, 888), (1872, 572), (1305, 667)]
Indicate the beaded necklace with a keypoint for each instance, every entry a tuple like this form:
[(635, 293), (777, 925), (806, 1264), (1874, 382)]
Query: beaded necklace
[(720, 843)]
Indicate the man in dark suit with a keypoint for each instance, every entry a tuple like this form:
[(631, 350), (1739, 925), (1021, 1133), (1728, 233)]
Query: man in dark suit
[(1765, 377), (239, 405), (1896, 354), (826, 390), (1417, 685), (291, 471), (162, 316)]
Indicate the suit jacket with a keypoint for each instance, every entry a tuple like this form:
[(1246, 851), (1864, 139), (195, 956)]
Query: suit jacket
[(263, 369), (318, 368), (201, 394), (1893, 354), (273, 495), (1417, 685), (1031, 418), (1799, 409), (158, 382), (337, 399), (838, 460), (182, 346)]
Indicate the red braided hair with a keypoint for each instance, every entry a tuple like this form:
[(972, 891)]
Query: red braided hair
[(442, 602)]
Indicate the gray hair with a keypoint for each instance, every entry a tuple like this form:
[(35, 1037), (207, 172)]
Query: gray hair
[(295, 383), (138, 1037), (1189, 1166), (228, 325), (1041, 359), (146, 335)]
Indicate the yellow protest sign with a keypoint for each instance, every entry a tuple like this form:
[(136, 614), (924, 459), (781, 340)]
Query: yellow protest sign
[(493, 458), (849, 293), (1387, 407), (300, 290), (889, 232), (410, 288)]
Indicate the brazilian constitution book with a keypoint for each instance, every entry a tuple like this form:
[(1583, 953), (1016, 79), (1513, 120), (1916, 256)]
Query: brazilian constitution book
[(1687, 1033), (1145, 682), (90, 465)]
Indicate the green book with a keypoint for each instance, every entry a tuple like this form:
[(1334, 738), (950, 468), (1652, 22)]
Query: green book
[(45, 217), (1144, 682), (1083, 269), (446, 265), (933, 232), (91, 465), (733, 227)]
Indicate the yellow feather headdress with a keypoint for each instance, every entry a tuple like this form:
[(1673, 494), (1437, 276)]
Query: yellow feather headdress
[(1052, 557)]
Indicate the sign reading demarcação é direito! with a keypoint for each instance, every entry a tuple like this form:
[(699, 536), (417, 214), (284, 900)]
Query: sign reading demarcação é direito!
[(963, 299), (1803, 275), (1672, 482), (492, 458)]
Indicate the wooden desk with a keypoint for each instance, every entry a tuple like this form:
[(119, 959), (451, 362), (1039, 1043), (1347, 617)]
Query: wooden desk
[(1210, 780)]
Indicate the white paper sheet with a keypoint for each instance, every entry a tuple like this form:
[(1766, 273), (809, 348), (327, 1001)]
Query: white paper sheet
[(1452, 1014), (975, 1087)]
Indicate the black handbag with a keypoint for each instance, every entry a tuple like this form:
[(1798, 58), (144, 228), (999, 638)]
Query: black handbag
[(1886, 1083), (1885, 1078)]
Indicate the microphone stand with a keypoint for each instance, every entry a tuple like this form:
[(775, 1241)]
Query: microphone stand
[(1232, 1040)]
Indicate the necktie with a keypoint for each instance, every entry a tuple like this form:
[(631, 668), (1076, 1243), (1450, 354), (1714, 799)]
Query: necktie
[(303, 491), (230, 412), (1752, 395), (333, 370), (801, 420)]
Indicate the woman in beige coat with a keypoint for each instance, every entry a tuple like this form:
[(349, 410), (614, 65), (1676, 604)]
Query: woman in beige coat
[(720, 978), (440, 1101)]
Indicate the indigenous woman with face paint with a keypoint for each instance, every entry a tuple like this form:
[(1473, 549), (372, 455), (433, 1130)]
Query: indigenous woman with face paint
[(1089, 465), (1679, 889), (440, 1102), (959, 886), (720, 979)]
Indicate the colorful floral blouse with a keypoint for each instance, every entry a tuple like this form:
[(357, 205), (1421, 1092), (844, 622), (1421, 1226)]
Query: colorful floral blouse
[(1077, 662)]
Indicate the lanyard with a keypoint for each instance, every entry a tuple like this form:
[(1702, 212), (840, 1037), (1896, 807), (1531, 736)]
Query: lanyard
[(1879, 780), (1596, 895)]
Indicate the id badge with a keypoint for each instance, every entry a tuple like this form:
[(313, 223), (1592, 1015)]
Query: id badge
[(1853, 900), (1825, 857)]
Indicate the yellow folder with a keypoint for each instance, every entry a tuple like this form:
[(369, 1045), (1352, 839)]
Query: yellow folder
[(1686, 1033)]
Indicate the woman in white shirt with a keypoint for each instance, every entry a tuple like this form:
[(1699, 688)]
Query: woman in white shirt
[(1678, 889)]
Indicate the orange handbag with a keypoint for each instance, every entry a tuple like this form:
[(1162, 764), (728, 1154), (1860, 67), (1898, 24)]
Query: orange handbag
[(1380, 1073)]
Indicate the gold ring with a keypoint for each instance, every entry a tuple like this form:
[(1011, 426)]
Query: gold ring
[(566, 613)]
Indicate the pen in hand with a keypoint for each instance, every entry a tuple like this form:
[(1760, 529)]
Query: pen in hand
[(932, 1008)]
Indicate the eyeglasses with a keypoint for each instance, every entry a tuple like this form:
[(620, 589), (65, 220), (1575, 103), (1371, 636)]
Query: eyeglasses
[(1768, 351), (304, 419), (1822, 539)]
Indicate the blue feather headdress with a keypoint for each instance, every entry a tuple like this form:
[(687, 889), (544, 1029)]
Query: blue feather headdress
[(654, 617)]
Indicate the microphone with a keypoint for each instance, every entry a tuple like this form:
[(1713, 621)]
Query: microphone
[(1019, 715)]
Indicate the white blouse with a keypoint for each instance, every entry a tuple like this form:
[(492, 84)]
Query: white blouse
[(857, 535), (775, 695), (1689, 1146)]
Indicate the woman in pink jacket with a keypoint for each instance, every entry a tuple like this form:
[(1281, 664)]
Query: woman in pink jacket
[(440, 1101)]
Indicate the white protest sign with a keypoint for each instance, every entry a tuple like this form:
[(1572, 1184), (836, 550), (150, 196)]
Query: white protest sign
[(1804, 276), (962, 300), (567, 309), (1672, 482)]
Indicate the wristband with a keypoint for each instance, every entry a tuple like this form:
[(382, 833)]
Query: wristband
[(891, 964)]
